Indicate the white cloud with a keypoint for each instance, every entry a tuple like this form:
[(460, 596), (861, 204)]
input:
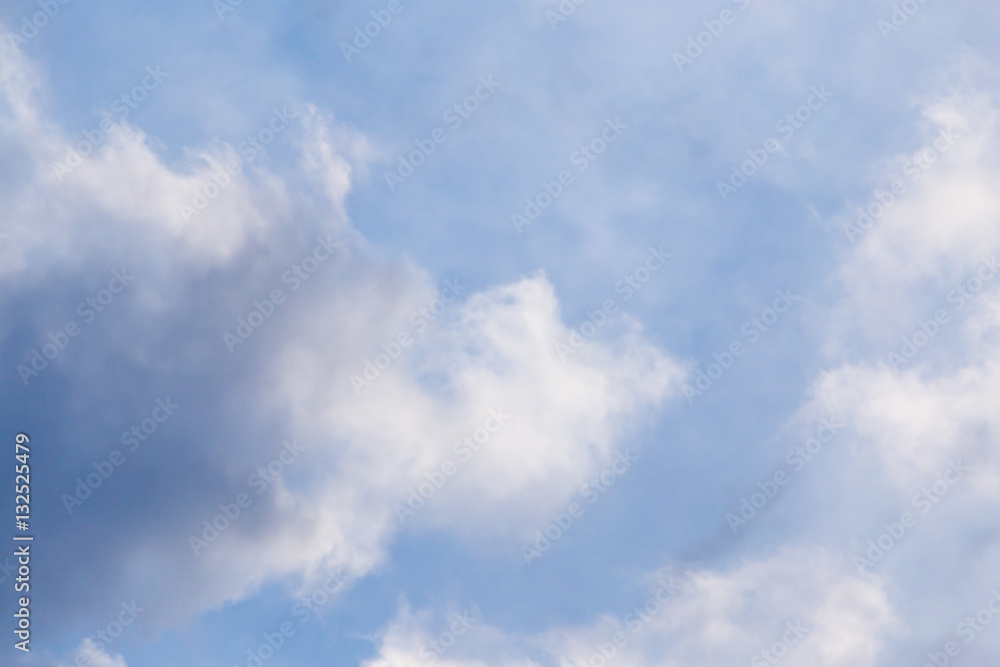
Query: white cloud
[(496, 351), (493, 350), (494, 355), (939, 225), (89, 653), (935, 398), (826, 614), (728, 617), (934, 404)]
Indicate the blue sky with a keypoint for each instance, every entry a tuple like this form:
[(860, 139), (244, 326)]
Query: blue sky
[(289, 305)]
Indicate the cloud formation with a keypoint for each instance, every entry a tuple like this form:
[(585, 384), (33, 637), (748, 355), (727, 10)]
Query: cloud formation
[(268, 282)]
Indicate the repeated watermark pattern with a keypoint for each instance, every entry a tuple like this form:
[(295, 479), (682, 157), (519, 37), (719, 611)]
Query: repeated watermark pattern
[(758, 156), (581, 159), (89, 309), (924, 500)]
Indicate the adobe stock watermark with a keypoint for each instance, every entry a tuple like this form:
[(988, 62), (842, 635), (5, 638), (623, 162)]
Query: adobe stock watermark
[(630, 283), (796, 458), (968, 629), (105, 468), (249, 149), (106, 636), (592, 490), (927, 329), (304, 610), (772, 655), (581, 158), (372, 29), (565, 9), (758, 157), (259, 481), (464, 449), (752, 329), (639, 617), (88, 309), (924, 500), (223, 7), (460, 624), (295, 276), (899, 17), (454, 116), (309, 606), (914, 167), (419, 320), (697, 44), (121, 106), (30, 28), (973, 285)]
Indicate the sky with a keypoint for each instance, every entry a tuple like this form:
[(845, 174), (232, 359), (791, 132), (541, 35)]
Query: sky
[(541, 333)]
